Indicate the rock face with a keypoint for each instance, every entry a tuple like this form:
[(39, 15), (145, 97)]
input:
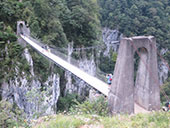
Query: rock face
[(28, 95), (69, 86), (146, 92), (110, 38), (163, 72), (163, 67), (89, 66), (79, 86)]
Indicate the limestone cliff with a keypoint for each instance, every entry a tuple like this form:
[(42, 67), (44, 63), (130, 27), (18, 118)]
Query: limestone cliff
[(29, 93)]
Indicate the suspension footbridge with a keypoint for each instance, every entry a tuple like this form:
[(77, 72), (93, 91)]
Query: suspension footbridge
[(89, 79)]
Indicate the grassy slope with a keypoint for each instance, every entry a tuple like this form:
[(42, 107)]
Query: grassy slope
[(152, 120)]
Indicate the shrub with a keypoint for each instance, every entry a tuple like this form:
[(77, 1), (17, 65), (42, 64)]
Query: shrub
[(98, 106), (11, 115), (66, 102), (36, 97), (165, 89)]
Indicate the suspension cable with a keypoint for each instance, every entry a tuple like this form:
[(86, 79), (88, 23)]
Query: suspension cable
[(85, 48), (93, 47), (165, 62)]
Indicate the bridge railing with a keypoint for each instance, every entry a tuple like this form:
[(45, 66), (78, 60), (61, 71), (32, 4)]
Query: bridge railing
[(62, 53)]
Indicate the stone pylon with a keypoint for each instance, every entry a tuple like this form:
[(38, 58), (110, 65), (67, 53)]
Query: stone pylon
[(22, 28), (145, 91)]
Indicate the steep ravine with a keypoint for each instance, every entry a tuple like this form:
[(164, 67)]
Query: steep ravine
[(37, 97), (27, 92)]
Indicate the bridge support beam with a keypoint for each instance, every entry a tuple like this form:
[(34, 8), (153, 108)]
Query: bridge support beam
[(22, 29), (145, 91)]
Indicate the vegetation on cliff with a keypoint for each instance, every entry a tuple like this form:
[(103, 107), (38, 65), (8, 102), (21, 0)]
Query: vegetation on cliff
[(59, 22), (138, 17)]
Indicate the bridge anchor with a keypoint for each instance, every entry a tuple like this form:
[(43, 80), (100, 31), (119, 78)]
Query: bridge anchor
[(145, 91)]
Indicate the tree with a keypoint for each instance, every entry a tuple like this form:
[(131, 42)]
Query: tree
[(140, 17)]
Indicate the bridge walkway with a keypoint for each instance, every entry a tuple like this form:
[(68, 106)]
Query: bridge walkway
[(91, 80)]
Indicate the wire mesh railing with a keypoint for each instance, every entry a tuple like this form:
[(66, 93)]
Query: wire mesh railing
[(63, 54)]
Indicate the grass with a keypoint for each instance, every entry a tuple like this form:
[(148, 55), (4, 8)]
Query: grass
[(58, 121), (151, 120)]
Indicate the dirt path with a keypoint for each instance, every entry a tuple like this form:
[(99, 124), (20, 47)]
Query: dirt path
[(92, 126), (139, 109)]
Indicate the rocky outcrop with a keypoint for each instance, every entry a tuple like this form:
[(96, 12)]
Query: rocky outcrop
[(162, 67), (69, 85), (111, 39), (163, 72), (35, 97), (87, 65), (32, 96)]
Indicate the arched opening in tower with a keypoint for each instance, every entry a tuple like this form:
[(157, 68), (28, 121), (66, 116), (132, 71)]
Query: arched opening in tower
[(141, 77), (21, 26)]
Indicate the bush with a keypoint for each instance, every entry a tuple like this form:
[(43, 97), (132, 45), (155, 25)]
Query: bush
[(107, 64), (97, 107), (165, 89), (10, 115), (36, 97), (66, 102)]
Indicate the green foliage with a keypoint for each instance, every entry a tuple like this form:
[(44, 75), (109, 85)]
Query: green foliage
[(11, 57), (36, 96), (11, 115), (107, 64), (166, 57), (55, 22), (6, 33), (165, 89), (138, 17), (81, 22), (69, 100), (11, 12), (99, 106), (59, 22), (151, 120), (11, 52), (59, 121), (41, 66)]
